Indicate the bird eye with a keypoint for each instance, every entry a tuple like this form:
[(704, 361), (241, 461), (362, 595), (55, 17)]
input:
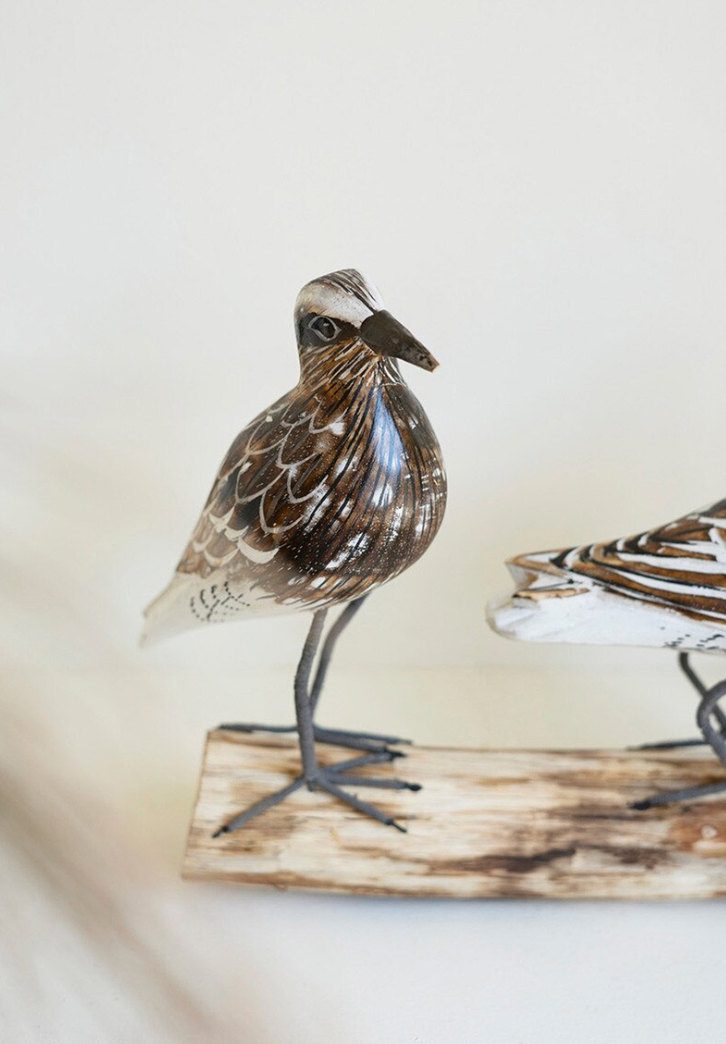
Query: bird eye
[(325, 328)]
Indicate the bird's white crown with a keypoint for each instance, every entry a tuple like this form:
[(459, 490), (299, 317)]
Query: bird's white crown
[(346, 295)]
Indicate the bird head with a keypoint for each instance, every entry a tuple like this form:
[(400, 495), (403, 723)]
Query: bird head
[(342, 314)]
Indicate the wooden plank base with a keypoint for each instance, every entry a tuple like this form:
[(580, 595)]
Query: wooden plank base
[(487, 824)]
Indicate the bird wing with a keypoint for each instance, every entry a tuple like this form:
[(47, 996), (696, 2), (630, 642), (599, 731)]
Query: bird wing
[(681, 565), (263, 489)]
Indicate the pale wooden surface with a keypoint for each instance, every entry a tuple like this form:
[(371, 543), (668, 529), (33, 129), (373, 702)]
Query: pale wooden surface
[(494, 823)]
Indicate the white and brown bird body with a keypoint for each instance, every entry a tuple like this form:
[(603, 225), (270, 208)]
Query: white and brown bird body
[(330, 492), (665, 587)]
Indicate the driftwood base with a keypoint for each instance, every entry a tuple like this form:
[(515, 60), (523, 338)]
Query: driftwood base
[(492, 823)]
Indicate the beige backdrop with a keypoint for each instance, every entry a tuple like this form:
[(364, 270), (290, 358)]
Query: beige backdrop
[(538, 190)]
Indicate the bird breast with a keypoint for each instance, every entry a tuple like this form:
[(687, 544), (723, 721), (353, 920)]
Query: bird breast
[(323, 497)]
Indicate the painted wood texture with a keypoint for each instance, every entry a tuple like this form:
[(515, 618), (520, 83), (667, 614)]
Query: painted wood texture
[(665, 587), (487, 824)]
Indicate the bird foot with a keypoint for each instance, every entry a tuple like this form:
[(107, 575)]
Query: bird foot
[(331, 779), (672, 796), (368, 741), (671, 744)]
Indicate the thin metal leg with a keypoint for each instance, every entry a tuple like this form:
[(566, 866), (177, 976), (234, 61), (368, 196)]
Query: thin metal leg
[(708, 712), (344, 737), (701, 689), (329, 646), (685, 665), (353, 739), (303, 709), (330, 778)]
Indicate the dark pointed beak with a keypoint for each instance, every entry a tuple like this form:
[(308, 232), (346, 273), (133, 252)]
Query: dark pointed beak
[(387, 336)]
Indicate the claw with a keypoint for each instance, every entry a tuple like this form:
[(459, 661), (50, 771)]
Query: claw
[(332, 779), (671, 744), (672, 796), (374, 781), (365, 741)]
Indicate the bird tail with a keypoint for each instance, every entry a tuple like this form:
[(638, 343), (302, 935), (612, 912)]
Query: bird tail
[(539, 576), (170, 613), (542, 606)]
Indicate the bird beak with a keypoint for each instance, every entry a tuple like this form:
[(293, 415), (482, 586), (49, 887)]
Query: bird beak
[(387, 336)]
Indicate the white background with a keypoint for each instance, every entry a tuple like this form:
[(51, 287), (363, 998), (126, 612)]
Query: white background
[(538, 190)]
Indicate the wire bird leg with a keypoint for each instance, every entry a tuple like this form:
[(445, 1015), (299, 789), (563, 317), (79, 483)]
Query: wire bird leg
[(328, 778), (364, 741), (711, 720)]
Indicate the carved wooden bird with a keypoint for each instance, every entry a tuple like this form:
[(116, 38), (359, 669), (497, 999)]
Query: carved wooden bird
[(665, 587), (330, 492)]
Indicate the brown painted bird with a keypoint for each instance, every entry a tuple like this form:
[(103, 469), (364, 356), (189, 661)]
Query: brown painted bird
[(330, 492), (665, 587)]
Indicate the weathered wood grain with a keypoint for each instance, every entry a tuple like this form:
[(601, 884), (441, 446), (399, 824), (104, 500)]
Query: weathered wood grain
[(487, 823)]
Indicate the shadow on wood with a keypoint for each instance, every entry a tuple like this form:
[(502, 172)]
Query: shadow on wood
[(487, 824)]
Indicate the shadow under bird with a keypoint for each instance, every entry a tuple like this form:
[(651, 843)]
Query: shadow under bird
[(330, 492), (665, 587)]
